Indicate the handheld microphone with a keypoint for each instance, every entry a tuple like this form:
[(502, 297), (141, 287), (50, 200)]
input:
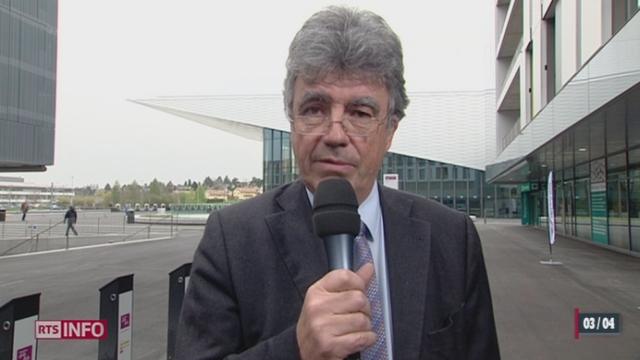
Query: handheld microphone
[(336, 220)]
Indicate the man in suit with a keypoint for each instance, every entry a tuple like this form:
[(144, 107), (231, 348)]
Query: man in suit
[(260, 286)]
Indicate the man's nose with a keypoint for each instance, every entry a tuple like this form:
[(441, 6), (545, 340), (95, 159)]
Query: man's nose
[(336, 135)]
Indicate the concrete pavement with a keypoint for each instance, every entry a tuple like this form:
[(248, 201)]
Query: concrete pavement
[(533, 303)]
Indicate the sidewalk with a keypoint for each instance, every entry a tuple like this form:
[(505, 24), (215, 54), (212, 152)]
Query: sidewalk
[(534, 303)]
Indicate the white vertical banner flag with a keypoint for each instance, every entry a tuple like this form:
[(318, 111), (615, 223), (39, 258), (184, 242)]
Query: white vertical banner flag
[(551, 214)]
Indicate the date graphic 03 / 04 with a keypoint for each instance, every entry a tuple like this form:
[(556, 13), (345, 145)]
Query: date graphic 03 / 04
[(596, 323)]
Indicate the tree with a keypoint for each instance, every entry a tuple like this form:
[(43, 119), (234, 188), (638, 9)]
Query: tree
[(233, 186), (208, 182), (157, 192), (219, 184), (64, 201), (116, 196), (107, 187), (194, 185), (200, 194), (226, 180), (256, 182), (132, 193)]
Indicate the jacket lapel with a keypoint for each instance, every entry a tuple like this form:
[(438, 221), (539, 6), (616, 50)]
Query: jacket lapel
[(291, 230), (407, 246)]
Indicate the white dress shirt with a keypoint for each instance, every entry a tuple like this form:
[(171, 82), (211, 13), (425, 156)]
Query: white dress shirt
[(371, 214)]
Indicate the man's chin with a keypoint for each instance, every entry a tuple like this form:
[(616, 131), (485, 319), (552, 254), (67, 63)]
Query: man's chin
[(312, 182)]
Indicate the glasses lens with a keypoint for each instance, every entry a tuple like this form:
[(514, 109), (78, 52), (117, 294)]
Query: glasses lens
[(320, 125), (309, 124), (359, 125)]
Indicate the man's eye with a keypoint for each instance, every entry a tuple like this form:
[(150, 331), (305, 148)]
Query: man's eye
[(312, 111), (361, 114)]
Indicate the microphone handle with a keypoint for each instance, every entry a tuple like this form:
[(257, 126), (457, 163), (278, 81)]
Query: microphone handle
[(339, 248)]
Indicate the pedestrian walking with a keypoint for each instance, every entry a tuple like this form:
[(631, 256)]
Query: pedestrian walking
[(71, 216), (24, 208)]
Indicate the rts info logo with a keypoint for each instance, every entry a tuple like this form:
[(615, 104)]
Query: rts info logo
[(71, 329)]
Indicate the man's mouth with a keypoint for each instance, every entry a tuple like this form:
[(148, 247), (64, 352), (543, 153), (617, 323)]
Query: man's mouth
[(335, 164)]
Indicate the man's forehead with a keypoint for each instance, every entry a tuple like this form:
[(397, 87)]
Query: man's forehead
[(339, 77), (347, 88)]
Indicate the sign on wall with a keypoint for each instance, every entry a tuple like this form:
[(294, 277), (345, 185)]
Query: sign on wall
[(390, 180)]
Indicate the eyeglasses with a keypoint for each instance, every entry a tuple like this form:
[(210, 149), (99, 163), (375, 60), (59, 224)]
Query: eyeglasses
[(354, 124)]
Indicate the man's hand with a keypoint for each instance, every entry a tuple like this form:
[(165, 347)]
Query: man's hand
[(335, 321)]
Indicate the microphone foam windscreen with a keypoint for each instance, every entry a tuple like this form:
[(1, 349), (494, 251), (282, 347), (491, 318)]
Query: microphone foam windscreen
[(335, 208)]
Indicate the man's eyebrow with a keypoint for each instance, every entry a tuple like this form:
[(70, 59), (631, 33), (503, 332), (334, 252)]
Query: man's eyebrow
[(315, 96)]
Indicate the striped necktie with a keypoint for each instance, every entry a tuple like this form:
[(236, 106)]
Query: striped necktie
[(362, 254)]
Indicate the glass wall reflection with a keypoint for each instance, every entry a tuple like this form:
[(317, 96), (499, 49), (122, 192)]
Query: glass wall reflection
[(457, 187), (596, 167)]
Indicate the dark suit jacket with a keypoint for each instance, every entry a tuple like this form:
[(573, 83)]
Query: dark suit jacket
[(256, 260)]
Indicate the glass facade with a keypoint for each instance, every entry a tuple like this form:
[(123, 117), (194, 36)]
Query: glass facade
[(457, 187), (596, 166), (28, 46), (278, 166)]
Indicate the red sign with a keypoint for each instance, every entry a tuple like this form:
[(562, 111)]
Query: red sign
[(125, 321), (71, 329), (25, 353)]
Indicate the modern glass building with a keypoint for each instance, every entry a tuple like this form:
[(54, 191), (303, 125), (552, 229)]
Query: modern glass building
[(459, 187), (439, 150), (568, 102), (28, 49)]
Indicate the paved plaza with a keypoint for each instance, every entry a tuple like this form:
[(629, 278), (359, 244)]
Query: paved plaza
[(534, 304)]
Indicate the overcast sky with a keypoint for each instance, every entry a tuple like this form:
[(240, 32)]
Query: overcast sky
[(110, 51)]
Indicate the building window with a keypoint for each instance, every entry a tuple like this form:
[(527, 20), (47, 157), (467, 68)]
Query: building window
[(621, 12), (618, 209), (422, 174), (550, 61)]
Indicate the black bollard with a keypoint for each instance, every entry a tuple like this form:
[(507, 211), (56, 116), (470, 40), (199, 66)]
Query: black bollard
[(116, 307), (18, 328), (178, 281)]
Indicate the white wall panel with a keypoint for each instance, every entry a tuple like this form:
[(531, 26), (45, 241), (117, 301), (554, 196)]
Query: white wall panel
[(590, 29)]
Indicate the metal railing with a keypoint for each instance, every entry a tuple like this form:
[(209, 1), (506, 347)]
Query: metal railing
[(47, 231), (36, 237), (147, 228)]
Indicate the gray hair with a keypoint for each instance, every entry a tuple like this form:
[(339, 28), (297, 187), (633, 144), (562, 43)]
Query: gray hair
[(348, 42)]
